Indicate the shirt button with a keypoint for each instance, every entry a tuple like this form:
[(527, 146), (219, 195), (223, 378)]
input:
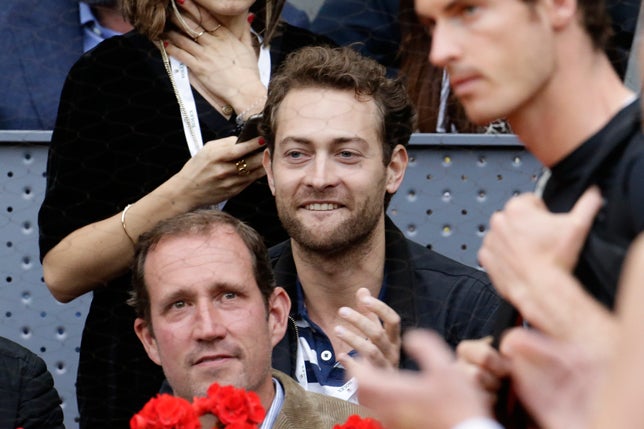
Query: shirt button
[(326, 355)]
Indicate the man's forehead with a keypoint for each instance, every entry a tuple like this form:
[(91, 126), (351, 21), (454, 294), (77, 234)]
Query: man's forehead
[(182, 269), (221, 245)]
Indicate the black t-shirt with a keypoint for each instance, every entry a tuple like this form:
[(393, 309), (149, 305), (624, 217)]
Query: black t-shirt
[(613, 159)]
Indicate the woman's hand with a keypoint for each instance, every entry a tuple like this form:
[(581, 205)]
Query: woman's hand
[(219, 171), (222, 60)]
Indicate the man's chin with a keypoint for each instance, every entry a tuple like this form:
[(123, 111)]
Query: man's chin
[(221, 374), (206, 382), (321, 243)]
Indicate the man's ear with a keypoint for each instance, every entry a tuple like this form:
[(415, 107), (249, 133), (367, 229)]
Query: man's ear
[(279, 306), (268, 166), (396, 168), (562, 13), (144, 332)]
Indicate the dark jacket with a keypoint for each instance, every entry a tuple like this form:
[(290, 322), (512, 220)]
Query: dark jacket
[(28, 398), (426, 289)]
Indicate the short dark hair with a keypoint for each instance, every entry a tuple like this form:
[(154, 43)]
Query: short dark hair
[(198, 222), (343, 68), (595, 19)]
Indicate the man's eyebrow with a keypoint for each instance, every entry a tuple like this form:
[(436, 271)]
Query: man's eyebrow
[(449, 7), (173, 296), (295, 139), (335, 141), (429, 21)]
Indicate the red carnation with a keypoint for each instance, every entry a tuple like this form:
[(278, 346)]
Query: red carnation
[(234, 409), (357, 422), (234, 405), (166, 412)]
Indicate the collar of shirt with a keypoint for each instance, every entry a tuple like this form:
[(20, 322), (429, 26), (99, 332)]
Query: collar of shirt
[(275, 408), (93, 32)]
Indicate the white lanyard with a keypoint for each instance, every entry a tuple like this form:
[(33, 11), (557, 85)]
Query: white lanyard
[(189, 116), (179, 76)]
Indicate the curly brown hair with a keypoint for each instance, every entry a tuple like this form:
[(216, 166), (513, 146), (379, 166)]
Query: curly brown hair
[(343, 68)]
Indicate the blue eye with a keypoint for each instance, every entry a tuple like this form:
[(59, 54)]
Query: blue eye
[(230, 295)]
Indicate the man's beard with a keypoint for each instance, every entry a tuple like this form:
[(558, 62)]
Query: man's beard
[(350, 234)]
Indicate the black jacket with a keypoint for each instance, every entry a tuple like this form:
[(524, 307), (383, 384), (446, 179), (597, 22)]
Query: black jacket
[(426, 289), (28, 398)]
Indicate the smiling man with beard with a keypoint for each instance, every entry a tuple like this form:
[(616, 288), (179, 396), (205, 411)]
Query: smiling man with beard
[(336, 129)]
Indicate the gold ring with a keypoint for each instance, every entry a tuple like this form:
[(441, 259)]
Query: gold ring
[(242, 167), (199, 35), (214, 29)]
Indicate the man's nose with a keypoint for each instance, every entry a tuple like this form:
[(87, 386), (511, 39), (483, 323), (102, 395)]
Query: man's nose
[(444, 47), (321, 173), (208, 323)]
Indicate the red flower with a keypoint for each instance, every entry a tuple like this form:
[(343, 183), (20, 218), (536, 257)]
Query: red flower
[(234, 409), (233, 406), (166, 412), (357, 422)]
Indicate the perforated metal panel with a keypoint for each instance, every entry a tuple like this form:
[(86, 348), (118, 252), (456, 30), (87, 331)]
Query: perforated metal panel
[(28, 313), (452, 185)]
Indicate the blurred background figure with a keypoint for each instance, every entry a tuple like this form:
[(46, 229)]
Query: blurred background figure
[(39, 42), (100, 20), (369, 26), (294, 15)]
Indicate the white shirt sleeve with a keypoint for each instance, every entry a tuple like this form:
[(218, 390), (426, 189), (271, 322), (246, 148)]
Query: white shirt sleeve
[(478, 423)]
